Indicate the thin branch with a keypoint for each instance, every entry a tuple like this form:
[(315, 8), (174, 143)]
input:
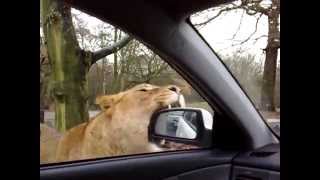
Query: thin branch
[(249, 11), (255, 30), (239, 26), (258, 38), (250, 7), (254, 7), (218, 14), (111, 49)]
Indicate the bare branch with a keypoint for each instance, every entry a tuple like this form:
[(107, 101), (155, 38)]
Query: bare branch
[(217, 15), (239, 26), (249, 11), (253, 7), (111, 49), (250, 36), (258, 38)]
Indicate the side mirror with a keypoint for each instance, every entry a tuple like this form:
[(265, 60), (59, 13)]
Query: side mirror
[(191, 126)]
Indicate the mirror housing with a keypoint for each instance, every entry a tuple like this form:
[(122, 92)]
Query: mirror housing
[(190, 126)]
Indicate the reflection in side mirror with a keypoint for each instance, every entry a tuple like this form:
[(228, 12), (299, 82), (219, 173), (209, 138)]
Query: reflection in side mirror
[(184, 125), (180, 124)]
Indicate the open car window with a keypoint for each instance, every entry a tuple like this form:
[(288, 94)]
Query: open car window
[(98, 90)]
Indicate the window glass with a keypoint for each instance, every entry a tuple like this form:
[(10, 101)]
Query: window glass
[(98, 91), (246, 36)]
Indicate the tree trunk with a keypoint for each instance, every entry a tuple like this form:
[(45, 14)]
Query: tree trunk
[(269, 75), (104, 84), (270, 65), (115, 81), (68, 63)]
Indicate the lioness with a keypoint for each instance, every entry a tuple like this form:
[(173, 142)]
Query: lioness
[(122, 126), (49, 139)]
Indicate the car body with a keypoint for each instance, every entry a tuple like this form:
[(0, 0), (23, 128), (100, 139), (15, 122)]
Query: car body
[(243, 145), (179, 127)]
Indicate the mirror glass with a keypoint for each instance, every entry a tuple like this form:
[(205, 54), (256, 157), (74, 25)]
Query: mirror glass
[(180, 124)]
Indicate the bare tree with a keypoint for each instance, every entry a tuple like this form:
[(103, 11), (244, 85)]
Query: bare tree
[(142, 64), (259, 8), (248, 72), (69, 63)]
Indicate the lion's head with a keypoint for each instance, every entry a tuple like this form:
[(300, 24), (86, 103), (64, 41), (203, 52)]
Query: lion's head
[(129, 112)]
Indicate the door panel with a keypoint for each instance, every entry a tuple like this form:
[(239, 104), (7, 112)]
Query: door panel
[(219, 172), (245, 173), (156, 166), (267, 157), (259, 164)]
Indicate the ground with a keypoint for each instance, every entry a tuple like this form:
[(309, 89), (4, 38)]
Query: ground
[(270, 115)]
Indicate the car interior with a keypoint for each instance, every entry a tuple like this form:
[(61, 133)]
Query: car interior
[(243, 147)]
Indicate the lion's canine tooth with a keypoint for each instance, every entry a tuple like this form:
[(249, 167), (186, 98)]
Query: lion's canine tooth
[(181, 101)]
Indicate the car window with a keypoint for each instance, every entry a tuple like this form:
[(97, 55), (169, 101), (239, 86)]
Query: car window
[(98, 90), (246, 37)]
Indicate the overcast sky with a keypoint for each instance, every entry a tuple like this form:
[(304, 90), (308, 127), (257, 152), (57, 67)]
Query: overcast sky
[(219, 32)]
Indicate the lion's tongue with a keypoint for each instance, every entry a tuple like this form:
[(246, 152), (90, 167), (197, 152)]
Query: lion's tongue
[(180, 103)]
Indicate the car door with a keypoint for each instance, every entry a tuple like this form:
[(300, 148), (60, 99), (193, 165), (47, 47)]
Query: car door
[(243, 146)]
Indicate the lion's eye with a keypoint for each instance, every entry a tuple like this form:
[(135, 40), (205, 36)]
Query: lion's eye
[(144, 90)]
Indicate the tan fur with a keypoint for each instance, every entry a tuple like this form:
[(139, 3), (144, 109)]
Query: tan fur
[(49, 139), (120, 129)]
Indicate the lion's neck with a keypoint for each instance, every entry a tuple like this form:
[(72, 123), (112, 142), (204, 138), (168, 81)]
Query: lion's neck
[(96, 124), (118, 135)]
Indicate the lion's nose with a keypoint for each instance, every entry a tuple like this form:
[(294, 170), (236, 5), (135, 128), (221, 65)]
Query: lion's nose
[(174, 89)]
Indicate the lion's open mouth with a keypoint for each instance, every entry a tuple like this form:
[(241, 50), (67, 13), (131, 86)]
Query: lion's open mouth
[(179, 103)]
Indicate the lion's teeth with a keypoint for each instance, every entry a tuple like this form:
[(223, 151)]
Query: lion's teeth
[(181, 101), (169, 106)]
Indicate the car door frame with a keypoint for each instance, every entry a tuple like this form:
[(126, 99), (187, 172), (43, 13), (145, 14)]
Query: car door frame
[(177, 42)]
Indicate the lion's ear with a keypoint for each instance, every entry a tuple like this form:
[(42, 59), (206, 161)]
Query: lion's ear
[(104, 102), (107, 101), (99, 99)]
